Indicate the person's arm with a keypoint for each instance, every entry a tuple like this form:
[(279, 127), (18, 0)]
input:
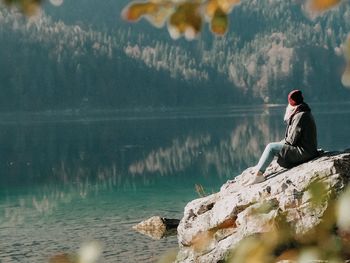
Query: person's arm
[(295, 130)]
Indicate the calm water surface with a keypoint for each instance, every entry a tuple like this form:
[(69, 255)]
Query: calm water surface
[(67, 178)]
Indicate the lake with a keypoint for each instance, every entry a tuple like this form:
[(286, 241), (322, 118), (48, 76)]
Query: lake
[(71, 177)]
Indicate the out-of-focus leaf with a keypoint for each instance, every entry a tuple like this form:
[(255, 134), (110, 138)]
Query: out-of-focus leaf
[(159, 18), (62, 258), (56, 2), (29, 7), (323, 5), (214, 6), (283, 232), (309, 254), (227, 5), (211, 8), (168, 257), (219, 23), (343, 211), (346, 48), (187, 19), (345, 241), (251, 250), (345, 79), (290, 255), (135, 11), (318, 192), (90, 252)]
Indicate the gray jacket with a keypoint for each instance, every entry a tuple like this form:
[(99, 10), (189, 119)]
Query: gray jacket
[(300, 142)]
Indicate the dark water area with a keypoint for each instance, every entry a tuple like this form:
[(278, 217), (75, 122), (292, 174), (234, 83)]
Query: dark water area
[(71, 177)]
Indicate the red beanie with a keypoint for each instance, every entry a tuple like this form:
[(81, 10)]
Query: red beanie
[(295, 97)]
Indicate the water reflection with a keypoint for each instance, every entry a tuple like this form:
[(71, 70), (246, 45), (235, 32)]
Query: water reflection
[(212, 154), (64, 183), (106, 154)]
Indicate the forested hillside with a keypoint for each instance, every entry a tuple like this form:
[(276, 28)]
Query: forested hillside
[(70, 58)]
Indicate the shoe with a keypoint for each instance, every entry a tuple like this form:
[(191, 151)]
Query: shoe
[(256, 180), (259, 173)]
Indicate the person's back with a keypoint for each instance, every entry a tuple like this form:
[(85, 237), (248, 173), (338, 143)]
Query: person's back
[(308, 139), (300, 138)]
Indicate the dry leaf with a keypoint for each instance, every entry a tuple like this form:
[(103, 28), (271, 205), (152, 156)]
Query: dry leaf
[(322, 5)]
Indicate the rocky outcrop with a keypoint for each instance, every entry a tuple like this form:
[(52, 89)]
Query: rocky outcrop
[(214, 225), (157, 227)]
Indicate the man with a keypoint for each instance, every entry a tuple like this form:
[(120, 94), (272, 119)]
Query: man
[(300, 142)]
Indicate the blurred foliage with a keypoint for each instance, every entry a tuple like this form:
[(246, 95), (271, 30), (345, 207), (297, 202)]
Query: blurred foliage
[(187, 17), (322, 5), (318, 193), (170, 256), (183, 17), (89, 252), (29, 7), (328, 241)]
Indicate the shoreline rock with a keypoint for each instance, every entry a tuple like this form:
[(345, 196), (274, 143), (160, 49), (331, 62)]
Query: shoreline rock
[(214, 225), (157, 227)]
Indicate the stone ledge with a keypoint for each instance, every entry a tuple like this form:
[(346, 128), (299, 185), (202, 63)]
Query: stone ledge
[(215, 224)]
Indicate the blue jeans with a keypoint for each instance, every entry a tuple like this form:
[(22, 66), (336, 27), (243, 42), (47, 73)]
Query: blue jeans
[(271, 150)]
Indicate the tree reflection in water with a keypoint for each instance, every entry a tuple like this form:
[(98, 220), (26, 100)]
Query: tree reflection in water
[(212, 155)]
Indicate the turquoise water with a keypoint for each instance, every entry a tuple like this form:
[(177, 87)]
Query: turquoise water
[(71, 177)]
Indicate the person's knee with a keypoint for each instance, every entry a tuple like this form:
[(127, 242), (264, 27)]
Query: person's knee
[(273, 147), (269, 146)]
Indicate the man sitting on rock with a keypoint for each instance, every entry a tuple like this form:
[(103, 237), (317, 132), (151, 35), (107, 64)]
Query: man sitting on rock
[(300, 142)]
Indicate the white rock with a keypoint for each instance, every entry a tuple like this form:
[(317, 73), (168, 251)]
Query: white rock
[(215, 224), (157, 227)]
